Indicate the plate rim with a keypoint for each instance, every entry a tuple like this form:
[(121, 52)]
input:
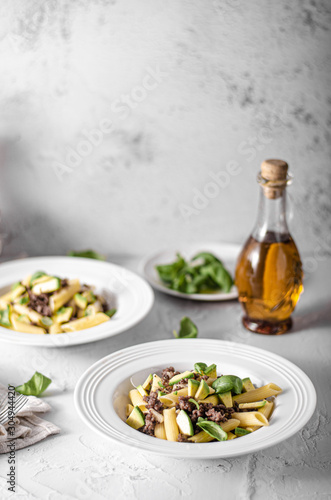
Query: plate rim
[(217, 297), (15, 338), (306, 385)]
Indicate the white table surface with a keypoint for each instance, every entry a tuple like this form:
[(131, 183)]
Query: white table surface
[(77, 464)]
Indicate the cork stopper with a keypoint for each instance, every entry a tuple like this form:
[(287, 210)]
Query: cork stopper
[(274, 176)]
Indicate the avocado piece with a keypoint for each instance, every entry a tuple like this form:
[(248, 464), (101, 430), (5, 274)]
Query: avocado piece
[(193, 386), (37, 275), (48, 286), (136, 418), (211, 399), (89, 295), (226, 399), (250, 406), (247, 385), (5, 317), (203, 390), (185, 423), (177, 378), (80, 301), (46, 321), (93, 309), (142, 391), (147, 384), (63, 314), (155, 383), (18, 291), (239, 431), (23, 318), (211, 371)]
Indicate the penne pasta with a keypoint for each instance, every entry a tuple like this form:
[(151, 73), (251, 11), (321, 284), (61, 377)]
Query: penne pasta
[(230, 424), (201, 437), (19, 326), (86, 322), (257, 394), (170, 424), (250, 418), (193, 414), (159, 431), (63, 296), (266, 411)]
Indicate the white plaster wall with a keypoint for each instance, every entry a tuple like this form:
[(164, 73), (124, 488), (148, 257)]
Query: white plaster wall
[(236, 82)]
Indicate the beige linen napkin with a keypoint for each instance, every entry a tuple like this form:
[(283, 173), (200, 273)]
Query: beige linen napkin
[(29, 429)]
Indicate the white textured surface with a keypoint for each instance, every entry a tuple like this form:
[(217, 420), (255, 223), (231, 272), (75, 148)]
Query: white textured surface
[(78, 465), (241, 81)]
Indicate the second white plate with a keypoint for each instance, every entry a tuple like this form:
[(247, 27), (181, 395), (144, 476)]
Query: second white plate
[(129, 294), (227, 253)]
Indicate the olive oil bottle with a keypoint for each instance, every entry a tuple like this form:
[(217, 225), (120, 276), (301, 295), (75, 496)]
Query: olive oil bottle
[(269, 270)]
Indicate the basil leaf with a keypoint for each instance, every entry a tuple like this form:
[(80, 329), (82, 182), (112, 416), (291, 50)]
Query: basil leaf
[(188, 329), (237, 384), (35, 386), (223, 384), (207, 257), (168, 272), (87, 254), (15, 285), (200, 368), (213, 430)]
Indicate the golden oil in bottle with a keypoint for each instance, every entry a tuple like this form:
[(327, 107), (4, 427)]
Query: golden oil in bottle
[(269, 270)]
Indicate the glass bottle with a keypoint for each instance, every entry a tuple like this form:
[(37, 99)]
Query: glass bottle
[(269, 270)]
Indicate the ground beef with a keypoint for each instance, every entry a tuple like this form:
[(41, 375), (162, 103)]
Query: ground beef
[(201, 412), (216, 416), (40, 303), (167, 374), (182, 438), (149, 426), (153, 402), (185, 404), (64, 283)]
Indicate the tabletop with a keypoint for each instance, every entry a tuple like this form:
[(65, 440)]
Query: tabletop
[(78, 464)]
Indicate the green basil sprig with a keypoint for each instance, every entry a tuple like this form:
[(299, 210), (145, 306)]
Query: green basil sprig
[(228, 383), (188, 330), (213, 429)]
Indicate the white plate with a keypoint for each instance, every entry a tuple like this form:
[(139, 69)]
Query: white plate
[(227, 253), (102, 393), (129, 293)]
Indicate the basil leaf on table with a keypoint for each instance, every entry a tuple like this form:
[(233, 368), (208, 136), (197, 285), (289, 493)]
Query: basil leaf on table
[(188, 330), (213, 429), (87, 254), (37, 384)]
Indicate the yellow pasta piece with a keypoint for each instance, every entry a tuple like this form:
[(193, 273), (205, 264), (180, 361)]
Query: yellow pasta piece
[(58, 299), (170, 424), (32, 315), (257, 394), (172, 398), (249, 418), (55, 328), (201, 437), (266, 411), (86, 322), (159, 431), (231, 436), (229, 425), (19, 326)]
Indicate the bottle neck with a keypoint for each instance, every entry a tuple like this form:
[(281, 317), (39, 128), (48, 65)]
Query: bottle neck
[(271, 219)]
